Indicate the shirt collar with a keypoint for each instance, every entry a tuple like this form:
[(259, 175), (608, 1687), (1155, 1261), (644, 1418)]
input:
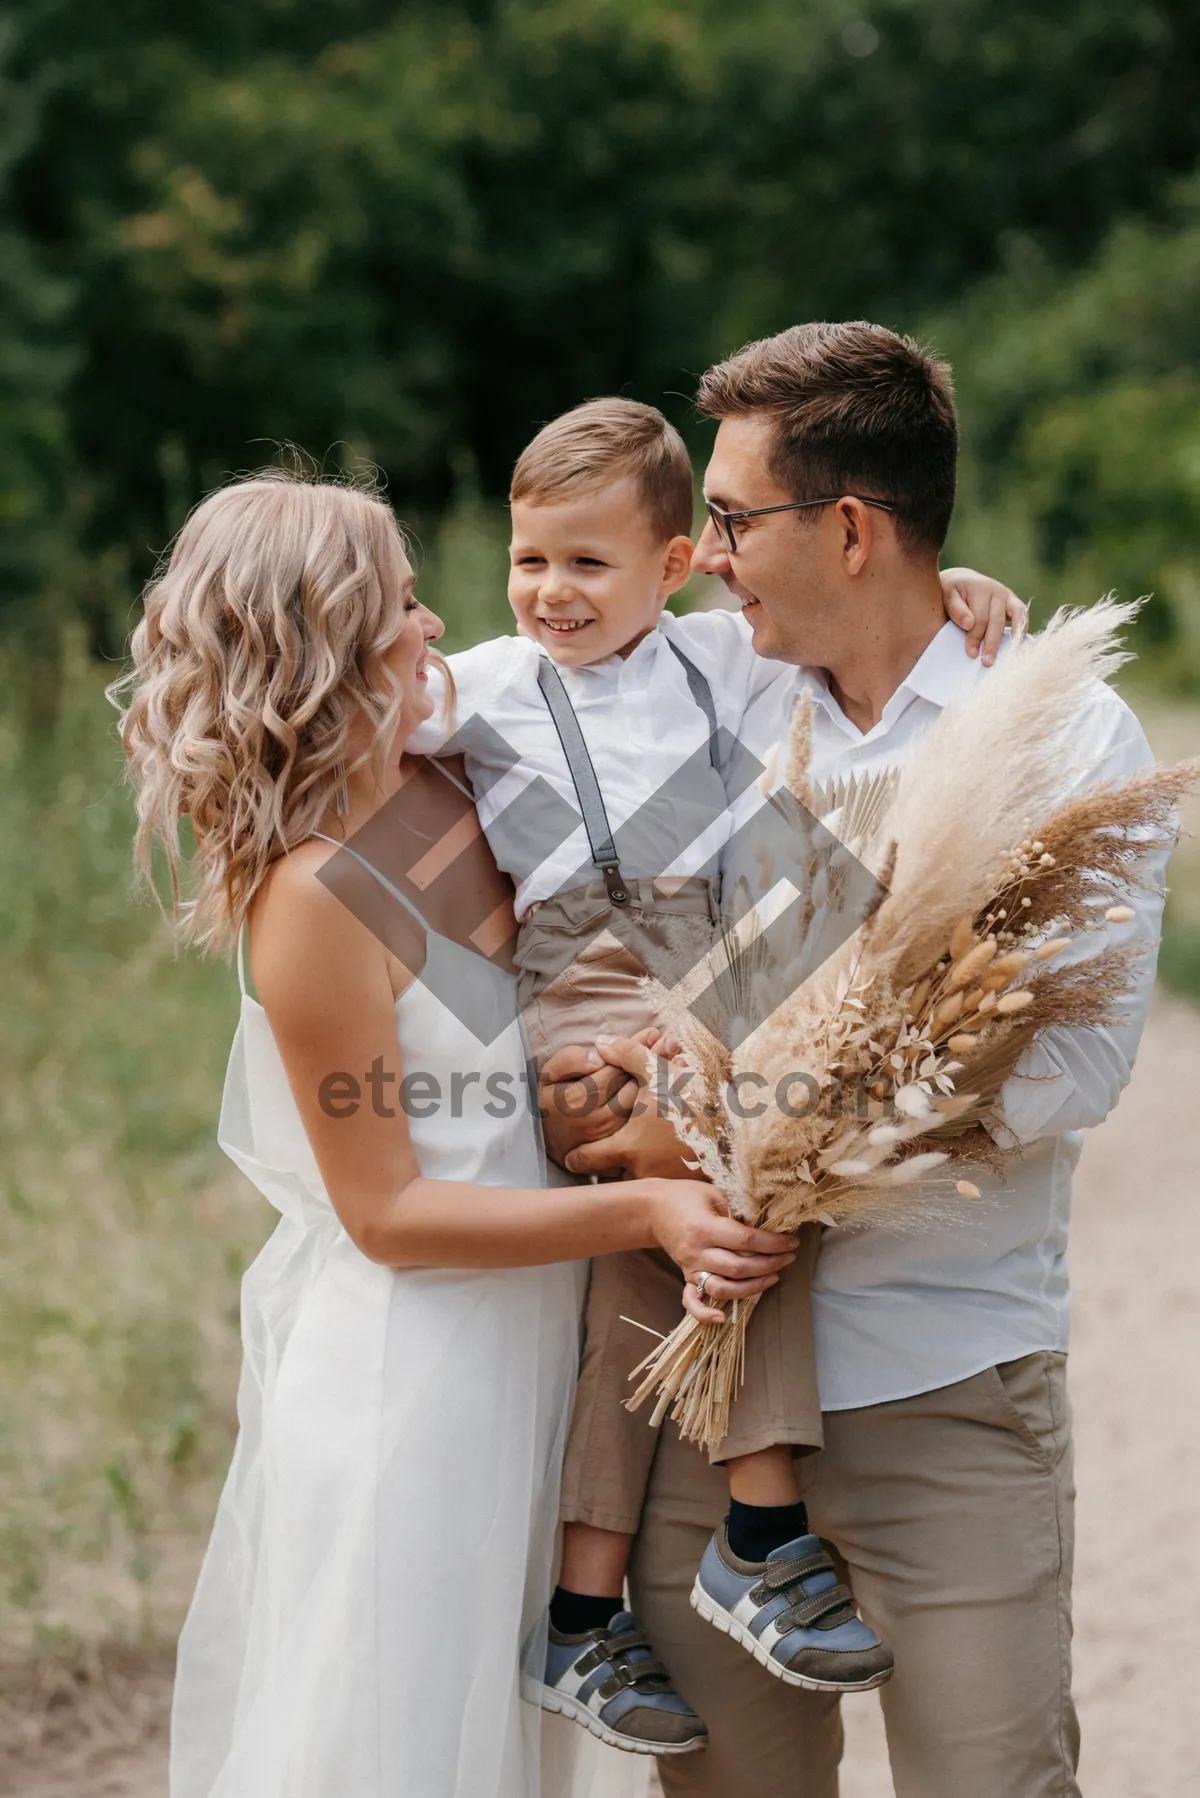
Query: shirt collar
[(945, 672), (617, 670)]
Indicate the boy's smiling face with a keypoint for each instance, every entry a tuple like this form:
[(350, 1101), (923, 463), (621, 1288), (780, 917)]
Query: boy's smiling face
[(588, 574)]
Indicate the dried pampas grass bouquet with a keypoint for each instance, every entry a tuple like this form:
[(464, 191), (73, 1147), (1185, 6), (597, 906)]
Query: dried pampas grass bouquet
[(906, 1033)]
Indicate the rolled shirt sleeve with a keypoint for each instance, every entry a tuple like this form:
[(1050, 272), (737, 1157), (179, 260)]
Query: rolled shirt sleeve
[(1071, 1079)]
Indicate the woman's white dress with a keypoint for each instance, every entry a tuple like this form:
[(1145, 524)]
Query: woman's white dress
[(380, 1561)]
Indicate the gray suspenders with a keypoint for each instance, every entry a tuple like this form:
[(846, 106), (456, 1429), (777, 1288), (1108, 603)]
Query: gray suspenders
[(702, 694), (583, 774)]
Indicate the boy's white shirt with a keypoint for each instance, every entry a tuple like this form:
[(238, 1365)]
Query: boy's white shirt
[(895, 1313), (639, 721)]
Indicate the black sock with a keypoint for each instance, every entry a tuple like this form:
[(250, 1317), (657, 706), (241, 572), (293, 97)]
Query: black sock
[(755, 1531), (574, 1613)]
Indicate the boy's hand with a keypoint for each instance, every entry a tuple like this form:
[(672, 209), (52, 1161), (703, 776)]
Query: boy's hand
[(982, 607)]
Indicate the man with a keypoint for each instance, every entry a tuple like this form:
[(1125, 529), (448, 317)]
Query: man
[(946, 1479)]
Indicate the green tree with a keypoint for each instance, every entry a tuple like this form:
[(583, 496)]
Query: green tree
[(1081, 398), (35, 366)]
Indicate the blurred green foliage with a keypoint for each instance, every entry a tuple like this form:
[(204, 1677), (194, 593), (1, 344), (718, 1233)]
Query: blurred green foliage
[(407, 234), (1080, 394)]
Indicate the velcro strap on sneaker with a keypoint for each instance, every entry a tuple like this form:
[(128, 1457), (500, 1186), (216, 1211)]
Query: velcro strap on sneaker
[(632, 1673), (779, 1575), (825, 1610), (610, 1648)]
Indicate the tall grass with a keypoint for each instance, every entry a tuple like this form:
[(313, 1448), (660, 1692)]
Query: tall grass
[(122, 1235)]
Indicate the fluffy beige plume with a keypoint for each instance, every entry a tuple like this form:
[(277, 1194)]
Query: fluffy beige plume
[(796, 776), (1107, 830), (992, 762), (972, 964)]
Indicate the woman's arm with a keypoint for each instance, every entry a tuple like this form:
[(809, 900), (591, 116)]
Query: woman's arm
[(325, 985)]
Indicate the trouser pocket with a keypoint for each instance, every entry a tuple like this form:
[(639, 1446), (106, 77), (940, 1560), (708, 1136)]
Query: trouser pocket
[(1031, 1394)]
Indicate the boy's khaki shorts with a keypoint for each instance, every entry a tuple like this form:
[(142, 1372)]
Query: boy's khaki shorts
[(578, 981)]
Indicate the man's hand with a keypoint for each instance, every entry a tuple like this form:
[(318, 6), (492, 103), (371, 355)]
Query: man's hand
[(982, 607), (583, 1097), (643, 1146)]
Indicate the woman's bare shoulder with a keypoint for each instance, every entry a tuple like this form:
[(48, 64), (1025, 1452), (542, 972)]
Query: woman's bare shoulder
[(292, 891), (299, 925)]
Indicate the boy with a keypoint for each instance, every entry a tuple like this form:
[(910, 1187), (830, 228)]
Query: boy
[(618, 712)]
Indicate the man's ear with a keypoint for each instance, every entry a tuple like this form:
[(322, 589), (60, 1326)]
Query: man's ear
[(677, 564), (857, 529)]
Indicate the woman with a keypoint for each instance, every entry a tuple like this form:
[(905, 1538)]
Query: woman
[(381, 1553)]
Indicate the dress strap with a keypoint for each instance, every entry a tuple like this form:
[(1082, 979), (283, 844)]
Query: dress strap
[(382, 879), (241, 936), (583, 778), (385, 883)]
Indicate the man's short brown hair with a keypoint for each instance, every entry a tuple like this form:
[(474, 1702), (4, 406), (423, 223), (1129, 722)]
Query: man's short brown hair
[(857, 409), (601, 441)]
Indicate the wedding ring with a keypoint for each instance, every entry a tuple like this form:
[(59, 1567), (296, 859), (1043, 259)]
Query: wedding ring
[(702, 1280)]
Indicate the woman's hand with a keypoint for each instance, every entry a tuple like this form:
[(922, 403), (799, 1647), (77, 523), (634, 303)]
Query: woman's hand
[(689, 1220), (982, 607), (703, 1309)]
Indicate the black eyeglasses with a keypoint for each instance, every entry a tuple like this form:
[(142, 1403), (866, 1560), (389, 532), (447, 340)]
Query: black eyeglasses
[(723, 522)]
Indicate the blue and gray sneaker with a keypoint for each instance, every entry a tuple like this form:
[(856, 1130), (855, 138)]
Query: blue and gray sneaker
[(609, 1680), (792, 1614)]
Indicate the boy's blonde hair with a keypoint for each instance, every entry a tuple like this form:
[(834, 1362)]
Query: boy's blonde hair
[(602, 441), (263, 637)]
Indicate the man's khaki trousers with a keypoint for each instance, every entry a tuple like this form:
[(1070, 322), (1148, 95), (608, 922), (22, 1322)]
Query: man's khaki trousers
[(953, 1513)]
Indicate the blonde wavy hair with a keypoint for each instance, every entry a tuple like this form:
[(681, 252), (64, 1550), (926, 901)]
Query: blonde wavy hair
[(263, 638)]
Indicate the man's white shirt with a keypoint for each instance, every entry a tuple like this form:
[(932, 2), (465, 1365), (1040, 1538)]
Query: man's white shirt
[(902, 1312)]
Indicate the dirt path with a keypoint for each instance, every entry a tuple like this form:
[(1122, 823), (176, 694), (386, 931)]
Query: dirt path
[(99, 1731), (1135, 1369)]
